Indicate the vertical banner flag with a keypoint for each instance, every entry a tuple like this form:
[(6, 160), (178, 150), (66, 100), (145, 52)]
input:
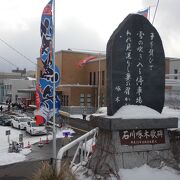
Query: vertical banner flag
[(144, 12), (44, 88)]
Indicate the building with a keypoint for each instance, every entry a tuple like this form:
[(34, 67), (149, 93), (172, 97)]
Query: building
[(83, 88), (172, 94), (79, 85), (5, 76), (19, 90)]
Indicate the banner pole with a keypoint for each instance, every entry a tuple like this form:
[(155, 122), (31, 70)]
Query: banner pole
[(54, 90)]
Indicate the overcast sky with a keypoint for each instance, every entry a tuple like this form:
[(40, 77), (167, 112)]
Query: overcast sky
[(80, 24)]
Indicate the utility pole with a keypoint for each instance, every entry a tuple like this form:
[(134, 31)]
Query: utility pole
[(99, 81)]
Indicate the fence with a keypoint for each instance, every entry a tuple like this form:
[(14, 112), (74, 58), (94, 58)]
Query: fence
[(82, 147), (78, 109)]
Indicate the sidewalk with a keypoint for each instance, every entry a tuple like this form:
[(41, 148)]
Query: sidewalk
[(19, 171)]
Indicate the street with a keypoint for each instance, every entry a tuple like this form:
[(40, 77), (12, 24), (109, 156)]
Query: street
[(24, 170)]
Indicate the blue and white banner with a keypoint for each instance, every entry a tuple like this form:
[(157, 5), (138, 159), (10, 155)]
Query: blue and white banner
[(44, 89)]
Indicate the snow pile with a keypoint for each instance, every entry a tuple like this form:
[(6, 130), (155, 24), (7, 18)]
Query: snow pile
[(148, 173), (142, 173), (102, 111), (76, 116), (9, 158), (137, 112), (171, 112)]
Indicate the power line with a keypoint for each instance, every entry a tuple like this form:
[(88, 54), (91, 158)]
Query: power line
[(18, 52), (2, 58)]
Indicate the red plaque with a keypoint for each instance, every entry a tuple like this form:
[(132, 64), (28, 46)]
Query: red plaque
[(142, 136)]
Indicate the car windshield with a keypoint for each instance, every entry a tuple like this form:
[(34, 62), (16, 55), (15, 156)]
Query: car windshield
[(34, 124), (25, 119)]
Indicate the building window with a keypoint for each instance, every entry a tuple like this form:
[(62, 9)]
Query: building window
[(82, 96), (90, 78), (98, 77), (103, 78), (175, 72), (40, 73), (65, 100), (94, 78), (88, 99), (103, 102)]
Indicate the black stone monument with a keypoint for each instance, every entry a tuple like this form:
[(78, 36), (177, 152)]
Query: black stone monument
[(135, 66), (135, 76)]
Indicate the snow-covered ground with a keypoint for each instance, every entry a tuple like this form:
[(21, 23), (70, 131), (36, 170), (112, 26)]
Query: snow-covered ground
[(9, 158), (142, 173)]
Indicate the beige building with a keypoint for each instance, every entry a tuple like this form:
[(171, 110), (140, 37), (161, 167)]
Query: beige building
[(79, 88)]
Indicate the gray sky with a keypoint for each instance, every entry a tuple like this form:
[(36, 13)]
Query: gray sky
[(80, 24)]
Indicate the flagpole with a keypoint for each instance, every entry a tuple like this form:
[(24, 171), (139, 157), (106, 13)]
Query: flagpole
[(149, 14), (155, 11), (99, 69), (54, 89)]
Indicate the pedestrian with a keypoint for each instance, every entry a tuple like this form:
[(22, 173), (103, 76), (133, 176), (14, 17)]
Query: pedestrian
[(84, 116), (61, 122), (66, 140), (9, 107), (1, 108)]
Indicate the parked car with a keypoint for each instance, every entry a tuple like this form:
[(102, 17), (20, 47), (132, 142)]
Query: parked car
[(20, 122), (34, 129), (16, 115), (5, 120)]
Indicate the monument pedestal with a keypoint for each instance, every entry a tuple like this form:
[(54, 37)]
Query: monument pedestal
[(130, 143)]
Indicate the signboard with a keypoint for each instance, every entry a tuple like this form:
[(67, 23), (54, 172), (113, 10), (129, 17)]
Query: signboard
[(142, 136), (8, 132), (20, 137), (135, 66), (66, 133)]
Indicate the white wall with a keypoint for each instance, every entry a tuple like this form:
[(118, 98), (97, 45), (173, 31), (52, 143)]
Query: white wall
[(14, 85), (175, 64)]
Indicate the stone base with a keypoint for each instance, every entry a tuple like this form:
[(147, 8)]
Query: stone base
[(121, 124), (110, 155)]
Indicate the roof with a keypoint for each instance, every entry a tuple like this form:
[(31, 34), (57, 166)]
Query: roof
[(172, 59), (77, 85), (26, 90), (81, 51)]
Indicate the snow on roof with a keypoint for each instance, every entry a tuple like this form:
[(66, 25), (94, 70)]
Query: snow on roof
[(30, 78)]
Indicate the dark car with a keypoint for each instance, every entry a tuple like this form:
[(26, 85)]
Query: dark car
[(5, 120)]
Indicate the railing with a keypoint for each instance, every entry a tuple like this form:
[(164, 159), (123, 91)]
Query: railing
[(81, 147)]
